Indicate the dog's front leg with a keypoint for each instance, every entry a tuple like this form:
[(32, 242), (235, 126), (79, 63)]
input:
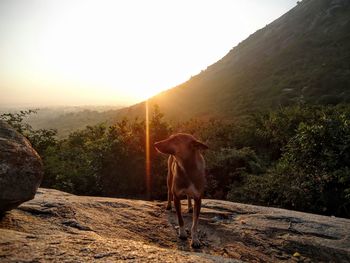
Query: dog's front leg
[(182, 231), (194, 235)]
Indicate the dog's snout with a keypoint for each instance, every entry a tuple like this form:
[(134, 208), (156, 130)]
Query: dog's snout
[(156, 144), (163, 147)]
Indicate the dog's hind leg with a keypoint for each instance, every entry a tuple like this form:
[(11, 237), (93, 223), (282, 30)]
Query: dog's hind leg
[(194, 235), (170, 194), (182, 231), (170, 198), (170, 182), (189, 206)]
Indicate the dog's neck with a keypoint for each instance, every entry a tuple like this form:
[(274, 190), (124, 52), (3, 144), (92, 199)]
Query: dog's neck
[(191, 164)]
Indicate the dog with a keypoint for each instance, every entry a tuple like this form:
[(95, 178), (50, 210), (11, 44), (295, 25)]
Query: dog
[(186, 176)]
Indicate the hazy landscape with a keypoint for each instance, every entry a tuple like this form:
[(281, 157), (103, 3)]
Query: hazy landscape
[(66, 119), (275, 113)]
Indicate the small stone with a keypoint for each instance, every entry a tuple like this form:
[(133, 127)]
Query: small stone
[(102, 255)]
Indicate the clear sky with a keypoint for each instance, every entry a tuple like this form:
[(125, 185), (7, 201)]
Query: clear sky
[(93, 52)]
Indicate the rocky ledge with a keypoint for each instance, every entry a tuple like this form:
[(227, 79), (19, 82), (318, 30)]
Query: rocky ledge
[(60, 227)]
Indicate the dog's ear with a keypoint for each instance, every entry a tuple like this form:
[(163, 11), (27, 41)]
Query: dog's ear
[(199, 145)]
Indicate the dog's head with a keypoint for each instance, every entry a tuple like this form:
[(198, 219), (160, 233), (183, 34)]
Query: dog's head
[(181, 145)]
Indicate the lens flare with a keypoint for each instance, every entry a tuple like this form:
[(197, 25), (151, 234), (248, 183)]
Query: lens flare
[(147, 151)]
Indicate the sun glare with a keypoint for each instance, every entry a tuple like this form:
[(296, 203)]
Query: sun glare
[(107, 52), (148, 154)]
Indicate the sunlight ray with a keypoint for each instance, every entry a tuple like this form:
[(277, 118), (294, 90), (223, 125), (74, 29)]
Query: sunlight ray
[(147, 150)]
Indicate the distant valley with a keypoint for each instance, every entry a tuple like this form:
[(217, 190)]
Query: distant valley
[(66, 119)]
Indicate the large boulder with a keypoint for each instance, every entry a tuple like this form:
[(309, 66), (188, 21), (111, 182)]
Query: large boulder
[(21, 168)]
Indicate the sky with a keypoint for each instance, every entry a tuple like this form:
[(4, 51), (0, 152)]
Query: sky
[(114, 52)]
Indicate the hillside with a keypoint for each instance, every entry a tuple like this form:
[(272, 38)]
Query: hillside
[(302, 56), (60, 227)]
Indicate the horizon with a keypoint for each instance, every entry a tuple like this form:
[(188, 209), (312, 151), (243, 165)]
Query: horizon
[(55, 55)]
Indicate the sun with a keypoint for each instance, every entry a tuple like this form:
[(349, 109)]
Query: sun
[(146, 93), (116, 52)]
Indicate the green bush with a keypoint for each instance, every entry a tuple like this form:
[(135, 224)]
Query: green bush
[(313, 171), (228, 166)]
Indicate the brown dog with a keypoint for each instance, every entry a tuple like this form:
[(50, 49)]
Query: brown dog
[(186, 176)]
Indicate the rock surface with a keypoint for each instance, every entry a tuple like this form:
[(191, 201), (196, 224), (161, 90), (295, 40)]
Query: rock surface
[(61, 227), (20, 168)]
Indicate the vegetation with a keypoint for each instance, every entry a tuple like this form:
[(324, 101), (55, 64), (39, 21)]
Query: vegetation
[(312, 172), (295, 157)]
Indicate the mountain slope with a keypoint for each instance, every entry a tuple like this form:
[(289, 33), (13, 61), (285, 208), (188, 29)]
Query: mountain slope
[(304, 56)]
